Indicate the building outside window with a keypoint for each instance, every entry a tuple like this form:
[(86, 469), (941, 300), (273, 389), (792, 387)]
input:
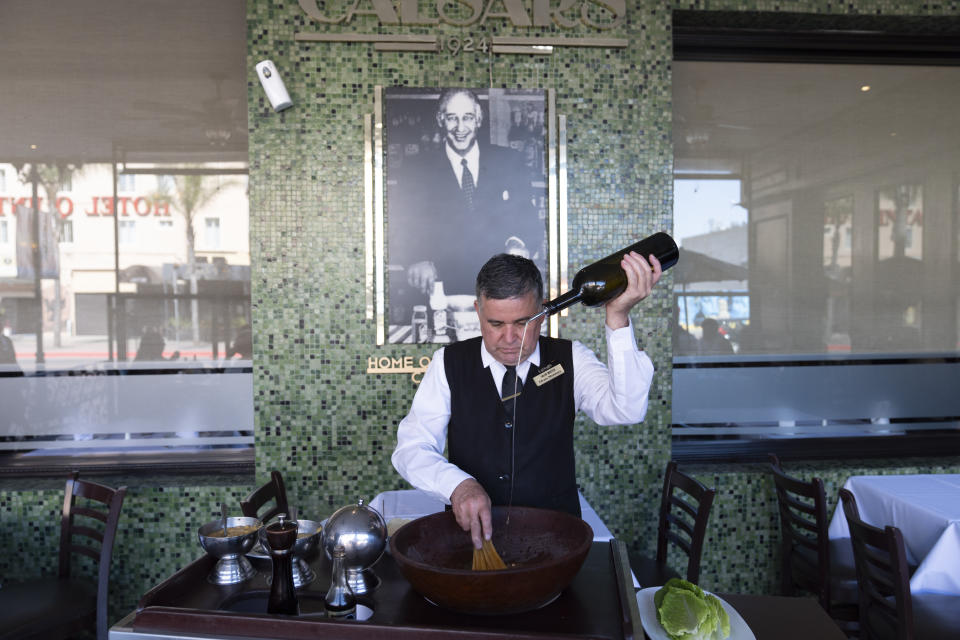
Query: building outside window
[(66, 231), (812, 200), (128, 231), (211, 233), (126, 182)]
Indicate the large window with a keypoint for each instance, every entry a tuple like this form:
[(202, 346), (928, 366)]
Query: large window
[(818, 288), (114, 282)]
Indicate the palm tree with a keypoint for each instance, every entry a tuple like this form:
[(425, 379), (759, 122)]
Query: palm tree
[(190, 194), (53, 178)]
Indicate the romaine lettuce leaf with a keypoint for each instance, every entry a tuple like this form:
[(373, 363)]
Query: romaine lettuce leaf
[(687, 613)]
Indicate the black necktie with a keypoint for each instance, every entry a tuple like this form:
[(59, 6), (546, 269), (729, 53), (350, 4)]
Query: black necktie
[(467, 185), (509, 389)]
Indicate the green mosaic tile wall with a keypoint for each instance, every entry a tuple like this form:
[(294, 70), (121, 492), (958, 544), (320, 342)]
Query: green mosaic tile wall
[(326, 424)]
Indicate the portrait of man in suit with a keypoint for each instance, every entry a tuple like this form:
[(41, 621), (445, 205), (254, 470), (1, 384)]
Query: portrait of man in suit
[(461, 187)]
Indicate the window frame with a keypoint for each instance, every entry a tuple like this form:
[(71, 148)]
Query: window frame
[(211, 232), (215, 459), (732, 36)]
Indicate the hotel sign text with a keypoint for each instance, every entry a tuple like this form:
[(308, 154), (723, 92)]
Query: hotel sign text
[(97, 206)]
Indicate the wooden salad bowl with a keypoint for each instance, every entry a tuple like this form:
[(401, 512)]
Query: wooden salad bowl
[(543, 551)]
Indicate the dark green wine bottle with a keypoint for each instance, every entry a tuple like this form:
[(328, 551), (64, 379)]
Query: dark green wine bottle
[(604, 280)]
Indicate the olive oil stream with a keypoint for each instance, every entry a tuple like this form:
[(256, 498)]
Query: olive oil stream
[(513, 418)]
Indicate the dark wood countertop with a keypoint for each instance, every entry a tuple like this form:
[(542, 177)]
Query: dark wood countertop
[(187, 603), (782, 618)]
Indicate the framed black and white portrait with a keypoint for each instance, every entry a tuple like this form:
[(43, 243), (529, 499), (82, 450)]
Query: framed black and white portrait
[(466, 178)]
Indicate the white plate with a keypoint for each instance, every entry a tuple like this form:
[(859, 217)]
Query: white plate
[(648, 616)]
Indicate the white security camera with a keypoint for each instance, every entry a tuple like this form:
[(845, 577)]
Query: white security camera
[(273, 85)]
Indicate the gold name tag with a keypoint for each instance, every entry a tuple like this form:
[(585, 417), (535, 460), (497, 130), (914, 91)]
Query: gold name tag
[(548, 374)]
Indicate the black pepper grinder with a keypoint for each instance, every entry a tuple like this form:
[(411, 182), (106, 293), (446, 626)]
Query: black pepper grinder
[(281, 537), (340, 601)]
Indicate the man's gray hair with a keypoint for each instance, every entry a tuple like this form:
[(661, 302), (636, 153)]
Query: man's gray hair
[(509, 276), (449, 94)]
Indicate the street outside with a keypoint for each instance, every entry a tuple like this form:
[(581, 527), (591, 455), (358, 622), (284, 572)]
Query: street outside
[(76, 352)]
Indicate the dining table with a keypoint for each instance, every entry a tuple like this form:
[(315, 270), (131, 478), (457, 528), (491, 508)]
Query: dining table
[(783, 617), (926, 509)]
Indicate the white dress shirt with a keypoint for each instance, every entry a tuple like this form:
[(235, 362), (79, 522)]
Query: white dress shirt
[(473, 163), (615, 393)]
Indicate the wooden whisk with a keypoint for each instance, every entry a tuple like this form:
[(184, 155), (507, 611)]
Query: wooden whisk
[(486, 558)]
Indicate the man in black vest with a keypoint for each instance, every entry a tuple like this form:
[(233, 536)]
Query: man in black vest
[(504, 403)]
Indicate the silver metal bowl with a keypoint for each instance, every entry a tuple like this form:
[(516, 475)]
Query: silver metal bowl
[(232, 567), (309, 533), (363, 534)]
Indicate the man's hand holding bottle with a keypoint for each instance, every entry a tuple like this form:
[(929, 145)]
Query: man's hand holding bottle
[(641, 278)]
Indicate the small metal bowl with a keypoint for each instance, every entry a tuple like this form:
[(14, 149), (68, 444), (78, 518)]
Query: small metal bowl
[(308, 537), (232, 567)]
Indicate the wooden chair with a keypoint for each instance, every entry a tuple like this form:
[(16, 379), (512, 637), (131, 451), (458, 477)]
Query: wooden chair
[(684, 511), (808, 560), (273, 490), (886, 608), (60, 606)]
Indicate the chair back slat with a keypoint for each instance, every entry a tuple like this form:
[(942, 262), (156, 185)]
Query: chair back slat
[(683, 524), (795, 505), (684, 511), (798, 524), (800, 514), (87, 532), (798, 539), (886, 606), (684, 505), (90, 512), (683, 543), (273, 490), (94, 491), (90, 552)]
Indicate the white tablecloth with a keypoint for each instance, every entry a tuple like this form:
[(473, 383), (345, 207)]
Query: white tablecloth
[(926, 509), (412, 503)]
